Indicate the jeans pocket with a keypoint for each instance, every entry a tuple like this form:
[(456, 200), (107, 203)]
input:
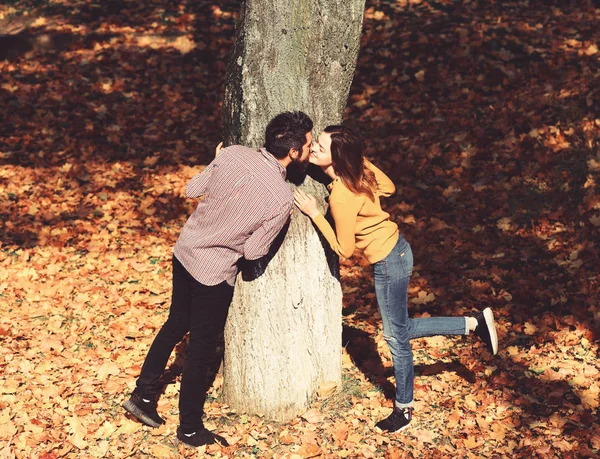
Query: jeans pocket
[(406, 260)]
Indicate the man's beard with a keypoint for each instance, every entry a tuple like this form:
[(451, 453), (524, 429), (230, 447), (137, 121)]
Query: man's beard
[(296, 171)]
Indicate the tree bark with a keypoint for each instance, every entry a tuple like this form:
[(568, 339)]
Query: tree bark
[(283, 336)]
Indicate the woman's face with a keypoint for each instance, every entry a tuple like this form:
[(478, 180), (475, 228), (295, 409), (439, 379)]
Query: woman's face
[(320, 154)]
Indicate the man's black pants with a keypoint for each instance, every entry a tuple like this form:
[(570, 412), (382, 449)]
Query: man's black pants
[(202, 311)]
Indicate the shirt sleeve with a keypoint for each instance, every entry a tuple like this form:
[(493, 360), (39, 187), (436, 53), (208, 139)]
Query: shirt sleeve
[(343, 239), (259, 242), (196, 187), (385, 186)]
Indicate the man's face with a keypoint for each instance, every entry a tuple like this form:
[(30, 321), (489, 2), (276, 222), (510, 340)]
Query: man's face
[(304, 155), (297, 168)]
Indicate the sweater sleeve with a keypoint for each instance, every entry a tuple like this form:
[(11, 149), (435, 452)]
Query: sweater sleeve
[(344, 212), (385, 185)]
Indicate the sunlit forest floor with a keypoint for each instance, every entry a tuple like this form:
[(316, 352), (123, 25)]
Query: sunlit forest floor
[(485, 114)]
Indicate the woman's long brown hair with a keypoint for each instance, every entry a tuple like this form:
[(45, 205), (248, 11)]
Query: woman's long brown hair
[(348, 160)]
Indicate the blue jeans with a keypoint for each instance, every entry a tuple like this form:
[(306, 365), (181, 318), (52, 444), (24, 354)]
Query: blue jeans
[(392, 275)]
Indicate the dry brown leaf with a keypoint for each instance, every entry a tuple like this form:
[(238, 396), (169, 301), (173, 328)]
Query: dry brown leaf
[(310, 450), (161, 451), (340, 431), (326, 389), (590, 398), (313, 416)]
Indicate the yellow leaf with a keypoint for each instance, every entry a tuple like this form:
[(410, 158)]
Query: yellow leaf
[(184, 45), (313, 416), (424, 436), (78, 432), (423, 298), (150, 160), (10, 88), (504, 224), (6, 452), (161, 451), (127, 427), (498, 431), (33, 209), (251, 441), (7, 430), (106, 430), (346, 360), (563, 445), (108, 368), (159, 431), (326, 389), (535, 424), (592, 49), (530, 329), (378, 15), (482, 423), (589, 398), (39, 22), (310, 450), (512, 350), (340, 432), (471, 403), (453, 420), (470, 443), (355, 438)]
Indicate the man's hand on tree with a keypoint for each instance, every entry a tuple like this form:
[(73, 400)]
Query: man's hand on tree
[(218, 149)]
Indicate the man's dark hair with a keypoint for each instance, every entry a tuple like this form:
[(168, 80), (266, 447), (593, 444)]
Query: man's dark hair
[(287, 131)]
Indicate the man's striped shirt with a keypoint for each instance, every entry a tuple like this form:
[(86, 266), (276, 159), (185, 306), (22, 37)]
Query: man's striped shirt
[(246, 204)]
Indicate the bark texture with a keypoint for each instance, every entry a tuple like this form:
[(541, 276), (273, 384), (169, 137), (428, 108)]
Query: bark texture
[(283, 336)]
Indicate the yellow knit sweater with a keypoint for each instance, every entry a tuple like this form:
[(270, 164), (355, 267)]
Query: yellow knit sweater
[(360, 222)]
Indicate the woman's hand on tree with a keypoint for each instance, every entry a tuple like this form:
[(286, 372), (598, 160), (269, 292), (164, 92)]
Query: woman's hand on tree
[(306, 203)]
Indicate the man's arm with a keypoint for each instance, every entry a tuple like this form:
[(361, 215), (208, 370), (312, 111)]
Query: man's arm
[(257, 245), (196, 187)]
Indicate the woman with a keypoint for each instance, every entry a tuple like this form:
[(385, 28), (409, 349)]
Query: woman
[(361, 223)]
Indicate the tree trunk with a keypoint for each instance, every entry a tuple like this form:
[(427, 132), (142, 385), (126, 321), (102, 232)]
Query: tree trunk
[(283, 336)]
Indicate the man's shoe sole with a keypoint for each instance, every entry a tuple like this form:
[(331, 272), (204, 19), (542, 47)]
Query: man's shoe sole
[(132, 409), (491, 326)]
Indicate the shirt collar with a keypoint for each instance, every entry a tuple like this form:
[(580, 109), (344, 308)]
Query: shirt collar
[(272, 161)]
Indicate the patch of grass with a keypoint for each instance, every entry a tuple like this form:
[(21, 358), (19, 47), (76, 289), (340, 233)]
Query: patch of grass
[(341, 399)]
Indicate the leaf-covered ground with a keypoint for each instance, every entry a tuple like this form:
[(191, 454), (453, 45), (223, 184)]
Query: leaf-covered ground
[(487, 116)]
